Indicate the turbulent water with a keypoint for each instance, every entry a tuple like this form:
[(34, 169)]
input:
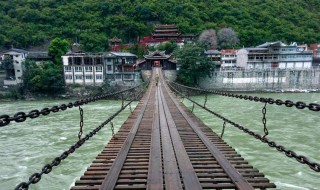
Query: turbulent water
[(297, 130), (26, 147)]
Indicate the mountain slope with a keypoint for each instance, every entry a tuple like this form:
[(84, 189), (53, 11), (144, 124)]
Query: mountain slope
[(26, 23)]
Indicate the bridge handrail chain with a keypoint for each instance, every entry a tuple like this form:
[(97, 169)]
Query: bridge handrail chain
[(36, 177), (22, 116), (287, 103), (289, 153)]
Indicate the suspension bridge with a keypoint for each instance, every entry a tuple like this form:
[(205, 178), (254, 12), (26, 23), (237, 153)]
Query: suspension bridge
[(163, 145)]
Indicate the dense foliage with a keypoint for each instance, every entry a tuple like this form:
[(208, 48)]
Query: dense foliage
[(26, 23), (45, 78), (57, 48), (193, 64)]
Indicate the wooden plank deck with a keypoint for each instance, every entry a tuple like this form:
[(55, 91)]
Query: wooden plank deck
[(162, 145)]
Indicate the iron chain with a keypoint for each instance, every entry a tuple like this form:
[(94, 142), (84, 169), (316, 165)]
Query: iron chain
[(22, 116), (289, 153), (36, 177), (287, 103), (81, 122), (264, 120), (205, 100), (223, 127), (112, 128)]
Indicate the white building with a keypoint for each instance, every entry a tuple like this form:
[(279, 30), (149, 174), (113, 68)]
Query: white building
[(93, 69), (15, 74), (228, 58), (274, 55)]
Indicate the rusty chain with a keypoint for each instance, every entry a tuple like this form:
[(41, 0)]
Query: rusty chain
[(192, 108), (287, 103), (81, 122), (36, 177), (112, 128), (223, 127), (289, 153), (205, 100), (264, 120), (22, 116), (130, 108)]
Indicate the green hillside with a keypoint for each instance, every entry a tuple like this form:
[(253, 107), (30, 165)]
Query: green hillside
[(26, 23)]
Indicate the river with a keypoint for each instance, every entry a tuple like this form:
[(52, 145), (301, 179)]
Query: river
[(26, 147)]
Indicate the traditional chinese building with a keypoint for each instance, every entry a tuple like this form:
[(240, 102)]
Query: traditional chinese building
[(164, 33), (157, 59)]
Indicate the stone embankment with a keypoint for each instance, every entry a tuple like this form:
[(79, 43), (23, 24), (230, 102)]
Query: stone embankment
[(278, 80)]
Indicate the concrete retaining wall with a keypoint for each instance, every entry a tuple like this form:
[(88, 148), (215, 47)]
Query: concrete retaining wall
[(262, 80)]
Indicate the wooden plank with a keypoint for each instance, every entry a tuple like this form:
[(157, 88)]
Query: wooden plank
[(112, 176), (190, 179), (239, 181), (170, 167), (155, 177)]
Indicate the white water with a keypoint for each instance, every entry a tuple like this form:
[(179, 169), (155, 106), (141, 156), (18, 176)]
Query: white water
[(26, 147)]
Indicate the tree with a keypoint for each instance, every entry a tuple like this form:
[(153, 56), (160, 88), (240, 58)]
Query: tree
[(46, 77), (7, 65), (137, 50), (227, 38), (57, 48), (209, 39), (168, 47), (193, 63)]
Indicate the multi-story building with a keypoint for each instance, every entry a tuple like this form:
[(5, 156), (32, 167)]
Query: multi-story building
[(228, 58), (14, 73), (164, 33), (18, 56), (93, 69), (214, 56), (274, 55)]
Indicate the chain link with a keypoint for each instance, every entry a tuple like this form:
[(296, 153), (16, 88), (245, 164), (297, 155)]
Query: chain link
[(112, 128), (81, 122), (264, 120), (36, 177), (130, 108), (223, 127), (289, 153), (22, 116), (287, 103), (205, 100), (192, 108)]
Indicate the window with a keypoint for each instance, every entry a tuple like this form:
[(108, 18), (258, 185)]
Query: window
[(109, 67), (109, 59), (127, 77), (68, 77), (88, 69), (78, 69), (110, 77), (79, 77), (98, 77), (67, 69), (89, 77), (18, 70), (99, 69)]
